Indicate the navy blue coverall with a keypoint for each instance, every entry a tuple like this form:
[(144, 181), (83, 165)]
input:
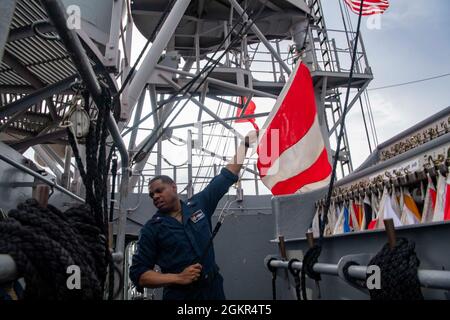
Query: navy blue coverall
[(173, 246)]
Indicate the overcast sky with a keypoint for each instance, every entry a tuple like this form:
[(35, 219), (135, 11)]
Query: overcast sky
[(413, 43)]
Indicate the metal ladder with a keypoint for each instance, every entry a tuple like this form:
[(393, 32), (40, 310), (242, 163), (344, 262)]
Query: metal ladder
[(320, 36)]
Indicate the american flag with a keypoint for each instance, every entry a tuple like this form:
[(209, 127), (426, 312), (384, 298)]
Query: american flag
[(370, 7)]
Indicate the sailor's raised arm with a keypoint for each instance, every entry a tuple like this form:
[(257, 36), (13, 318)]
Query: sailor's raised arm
[(235, 165)]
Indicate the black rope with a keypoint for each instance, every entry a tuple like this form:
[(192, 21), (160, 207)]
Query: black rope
[(274, 277), (360, 283), (95, 175), (296, 274), (204, 254), (398, 266), (210, 242), (111, 216), (44, 242), (309, 260)]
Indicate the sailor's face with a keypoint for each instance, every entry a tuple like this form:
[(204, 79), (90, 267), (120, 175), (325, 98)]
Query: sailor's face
[(164, 195)]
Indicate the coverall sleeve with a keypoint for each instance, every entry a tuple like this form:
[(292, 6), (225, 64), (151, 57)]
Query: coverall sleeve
[(145, 257), (217, 188)]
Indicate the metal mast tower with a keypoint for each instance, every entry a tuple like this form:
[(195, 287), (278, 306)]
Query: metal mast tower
[(281, 30), (207, 59)]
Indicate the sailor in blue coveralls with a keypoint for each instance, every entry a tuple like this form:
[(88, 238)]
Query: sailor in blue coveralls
[(176, 237)]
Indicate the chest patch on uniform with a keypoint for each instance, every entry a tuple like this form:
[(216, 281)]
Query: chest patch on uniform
[(197, 216)]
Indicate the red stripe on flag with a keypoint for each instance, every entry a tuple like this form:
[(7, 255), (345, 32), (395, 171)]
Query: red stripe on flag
[(319, 171), (372, 225), (250, 110), (294, 117), (447, 203), (370, 7), (433, 197)]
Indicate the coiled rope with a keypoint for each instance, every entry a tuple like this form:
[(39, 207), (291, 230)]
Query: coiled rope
[(309, 260), (398, 267), (295, 273), (45, 242)]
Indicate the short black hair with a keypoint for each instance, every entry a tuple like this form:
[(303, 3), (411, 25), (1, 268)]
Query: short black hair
[(163, 178)]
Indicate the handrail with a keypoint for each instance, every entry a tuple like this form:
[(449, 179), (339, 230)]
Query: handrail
[(432, 279), (8, 267), (40, 177)]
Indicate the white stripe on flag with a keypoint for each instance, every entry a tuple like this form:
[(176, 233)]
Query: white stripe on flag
[(297, 158), (440, 199), (314, 186)]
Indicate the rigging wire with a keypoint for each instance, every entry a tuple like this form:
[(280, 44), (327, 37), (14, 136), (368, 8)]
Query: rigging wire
[(244, 27), (206, 69), (346, 19), (190, 83), (371, 118), (149, 40), (410, 82), (365, 124), (226, 142), (210, 137), (226, 139)]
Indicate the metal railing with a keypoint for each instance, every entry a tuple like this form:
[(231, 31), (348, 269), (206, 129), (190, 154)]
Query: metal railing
[(340, 45), (432, 279), (38, 176), (8, 267)]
